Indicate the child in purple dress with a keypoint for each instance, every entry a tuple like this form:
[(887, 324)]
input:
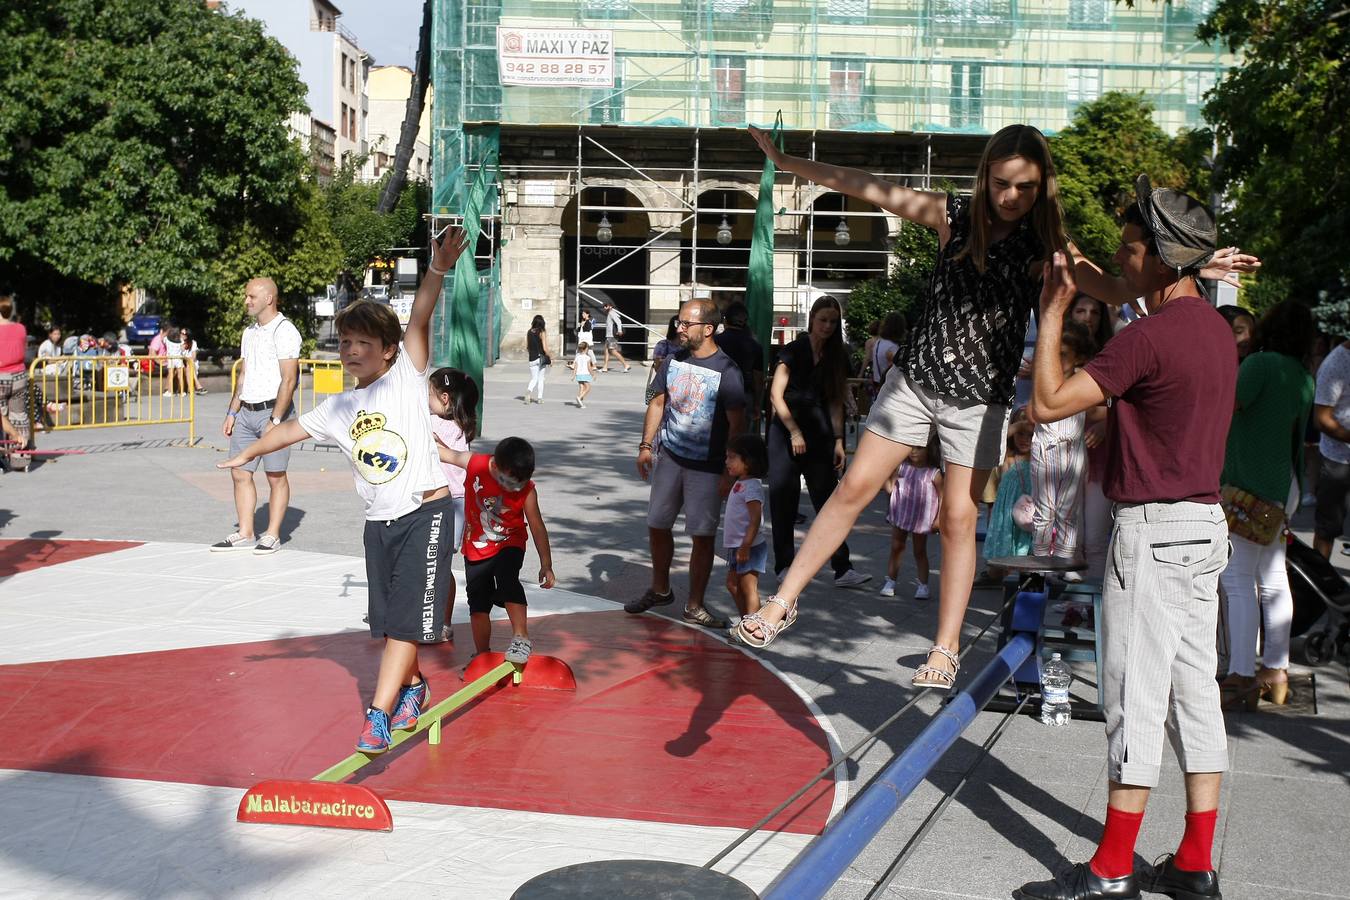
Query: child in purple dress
[(916, 492)]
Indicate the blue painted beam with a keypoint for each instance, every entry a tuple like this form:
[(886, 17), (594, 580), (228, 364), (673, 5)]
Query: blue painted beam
[(822, 864)]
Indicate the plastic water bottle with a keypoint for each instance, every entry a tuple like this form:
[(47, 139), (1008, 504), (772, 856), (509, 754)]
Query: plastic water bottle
[(1055, 681)]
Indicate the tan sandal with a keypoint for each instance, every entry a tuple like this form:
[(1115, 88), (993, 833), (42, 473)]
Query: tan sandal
[(927, 676), (767, 630)]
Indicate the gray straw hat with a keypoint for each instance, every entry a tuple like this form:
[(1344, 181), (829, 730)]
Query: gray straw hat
[(1183, 227)]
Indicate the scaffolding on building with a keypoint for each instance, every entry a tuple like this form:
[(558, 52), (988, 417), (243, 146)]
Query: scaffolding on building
[(687, 73)]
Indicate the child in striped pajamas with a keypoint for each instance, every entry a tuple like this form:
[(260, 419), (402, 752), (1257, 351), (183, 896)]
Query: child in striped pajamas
[(1059, 462), (916, 492)]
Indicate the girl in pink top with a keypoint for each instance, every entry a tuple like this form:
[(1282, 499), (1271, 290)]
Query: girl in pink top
[(453, 399), (916, 491)]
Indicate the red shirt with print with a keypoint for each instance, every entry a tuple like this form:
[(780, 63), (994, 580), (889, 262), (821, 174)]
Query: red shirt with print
[(495, 516)]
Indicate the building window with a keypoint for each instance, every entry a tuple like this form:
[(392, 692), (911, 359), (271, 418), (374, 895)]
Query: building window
[(607, 104), (1196, 85), (351, 65), (345, 67), (967, 107), (852, 11), (728, 90), (351, 125), (1084, 84), (1202, 9), (846, 91), (342, 121), (1089, 13), (606, 9)]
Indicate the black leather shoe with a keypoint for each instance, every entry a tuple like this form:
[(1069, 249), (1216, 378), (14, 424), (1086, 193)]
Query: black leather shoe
[(1080, 883), (1182, 885)]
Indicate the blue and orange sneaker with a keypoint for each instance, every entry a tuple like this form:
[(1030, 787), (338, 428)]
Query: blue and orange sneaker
[(411, 699), (375, 736)]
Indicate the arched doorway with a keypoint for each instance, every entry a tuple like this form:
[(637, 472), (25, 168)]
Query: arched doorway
[(844, 241), (715, 245), (604, 259)]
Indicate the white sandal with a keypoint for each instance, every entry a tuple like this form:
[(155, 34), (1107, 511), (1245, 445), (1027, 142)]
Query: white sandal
[(767, 630), (927, 676)]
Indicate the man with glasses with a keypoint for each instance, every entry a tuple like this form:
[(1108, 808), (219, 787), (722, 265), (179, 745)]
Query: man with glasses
[(699, 405)]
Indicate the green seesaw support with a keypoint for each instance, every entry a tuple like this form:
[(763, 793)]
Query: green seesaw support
[(328, 801)]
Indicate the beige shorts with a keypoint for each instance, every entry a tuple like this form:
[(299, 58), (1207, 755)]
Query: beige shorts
[(972, 434), (1159, 611)]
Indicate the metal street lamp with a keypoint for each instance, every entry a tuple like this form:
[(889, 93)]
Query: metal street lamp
[(604, 233)]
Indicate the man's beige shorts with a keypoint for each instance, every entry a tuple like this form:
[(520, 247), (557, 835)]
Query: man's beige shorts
[(972, 434)]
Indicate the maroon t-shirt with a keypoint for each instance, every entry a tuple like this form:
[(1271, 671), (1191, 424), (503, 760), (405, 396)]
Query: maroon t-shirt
[(1173, 374)]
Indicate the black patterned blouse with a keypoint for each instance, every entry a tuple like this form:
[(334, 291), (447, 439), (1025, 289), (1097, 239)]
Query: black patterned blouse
[(969, 338)]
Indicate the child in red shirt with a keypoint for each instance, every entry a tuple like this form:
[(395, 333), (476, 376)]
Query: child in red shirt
[(499, 502)]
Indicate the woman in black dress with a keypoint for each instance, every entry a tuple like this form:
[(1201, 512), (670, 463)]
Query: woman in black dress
[(806, 433)]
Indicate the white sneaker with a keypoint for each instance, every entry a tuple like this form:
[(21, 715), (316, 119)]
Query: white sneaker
[(851, 578), (887, 588), (518, 651), (1072, 577), (921, 591)]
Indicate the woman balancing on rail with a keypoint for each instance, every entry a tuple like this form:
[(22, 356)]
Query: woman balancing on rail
[(955, 374)]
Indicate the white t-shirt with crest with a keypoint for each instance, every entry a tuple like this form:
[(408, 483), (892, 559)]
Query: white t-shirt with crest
[(385, 433)]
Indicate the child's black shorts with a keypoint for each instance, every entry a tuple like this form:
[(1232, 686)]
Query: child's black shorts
[(495, 581), (408, 568)]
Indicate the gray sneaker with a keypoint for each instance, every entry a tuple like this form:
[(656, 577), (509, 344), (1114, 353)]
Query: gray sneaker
[(519, 651), (267, 544), (235, 541), (851, 578)]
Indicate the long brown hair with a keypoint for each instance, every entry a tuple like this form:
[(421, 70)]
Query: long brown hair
[(833, 358), (1046, 216)]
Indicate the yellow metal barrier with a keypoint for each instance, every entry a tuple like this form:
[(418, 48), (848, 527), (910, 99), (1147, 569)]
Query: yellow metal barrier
[(111, 391), (318, 379)]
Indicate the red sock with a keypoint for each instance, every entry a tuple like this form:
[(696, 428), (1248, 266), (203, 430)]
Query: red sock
[(1196, 843), (1115, 854)]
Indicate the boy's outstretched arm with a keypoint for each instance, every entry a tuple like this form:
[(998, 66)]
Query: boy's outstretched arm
[(444, 254), (539, 534), (276, 438)]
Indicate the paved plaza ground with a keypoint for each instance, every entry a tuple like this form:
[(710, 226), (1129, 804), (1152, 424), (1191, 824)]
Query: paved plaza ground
[(1038, 798)]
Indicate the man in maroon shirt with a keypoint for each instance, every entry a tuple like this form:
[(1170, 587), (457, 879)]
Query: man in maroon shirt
[(1172, 375)]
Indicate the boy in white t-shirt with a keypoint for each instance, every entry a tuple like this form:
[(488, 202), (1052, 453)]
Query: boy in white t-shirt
[(383, 428)]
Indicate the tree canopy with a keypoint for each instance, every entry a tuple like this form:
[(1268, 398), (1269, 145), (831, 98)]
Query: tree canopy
[(1282, 118), (136, 136), (1110, 141)]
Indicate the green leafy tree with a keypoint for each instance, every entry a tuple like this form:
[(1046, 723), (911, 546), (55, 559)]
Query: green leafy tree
[(364, 233), (1282, 119), (1110, 141), (300, 255), (138, 140)]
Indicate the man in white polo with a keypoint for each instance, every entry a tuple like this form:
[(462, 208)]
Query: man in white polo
[(269, 372)]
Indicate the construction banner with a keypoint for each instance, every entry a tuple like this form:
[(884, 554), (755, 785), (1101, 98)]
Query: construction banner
[(759, 280)]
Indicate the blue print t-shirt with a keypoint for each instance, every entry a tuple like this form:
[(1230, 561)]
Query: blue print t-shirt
[(699, 392)]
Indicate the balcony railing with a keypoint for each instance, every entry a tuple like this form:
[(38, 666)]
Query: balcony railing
[(729, 17), (971, 18)]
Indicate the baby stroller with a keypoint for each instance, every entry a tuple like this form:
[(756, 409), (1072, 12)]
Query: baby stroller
[(1321, 604)]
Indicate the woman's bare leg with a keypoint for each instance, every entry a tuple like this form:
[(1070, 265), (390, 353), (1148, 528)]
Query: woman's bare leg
[(876, 460), (961, 490)]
